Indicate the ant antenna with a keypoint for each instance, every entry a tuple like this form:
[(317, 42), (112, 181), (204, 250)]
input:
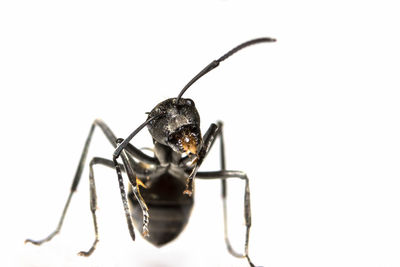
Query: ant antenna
[(215, 63)]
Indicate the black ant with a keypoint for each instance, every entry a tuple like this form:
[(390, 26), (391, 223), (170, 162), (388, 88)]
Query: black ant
[(161, 209)]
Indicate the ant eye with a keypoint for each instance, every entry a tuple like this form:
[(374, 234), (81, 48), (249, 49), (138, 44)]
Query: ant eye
[(189, 102)]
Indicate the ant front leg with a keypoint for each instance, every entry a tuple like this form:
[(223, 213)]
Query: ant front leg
[(93, 195), (208, 141)]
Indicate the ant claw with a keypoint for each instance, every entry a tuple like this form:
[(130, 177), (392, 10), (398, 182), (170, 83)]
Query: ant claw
[(37, 243), (84, 253)]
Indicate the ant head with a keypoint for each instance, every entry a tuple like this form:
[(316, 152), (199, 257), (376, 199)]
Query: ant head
[(175, 122), (177, 125)]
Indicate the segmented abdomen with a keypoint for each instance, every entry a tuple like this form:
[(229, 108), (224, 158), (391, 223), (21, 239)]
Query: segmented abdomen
[(169, 208)]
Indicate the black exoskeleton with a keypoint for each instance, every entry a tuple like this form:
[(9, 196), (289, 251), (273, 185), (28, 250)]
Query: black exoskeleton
[(160, 196)]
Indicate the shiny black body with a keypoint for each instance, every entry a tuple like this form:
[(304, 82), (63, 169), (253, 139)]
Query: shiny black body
[(169, 209), (160, 197)]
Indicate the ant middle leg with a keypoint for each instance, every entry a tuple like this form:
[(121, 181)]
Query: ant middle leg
[(133, 151), (224, 191), (93, 200), (224, 174)]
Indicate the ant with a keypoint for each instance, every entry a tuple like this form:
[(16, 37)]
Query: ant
[(161, 209)]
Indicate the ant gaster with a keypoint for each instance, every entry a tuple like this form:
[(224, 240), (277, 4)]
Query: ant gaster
[(161, 209)]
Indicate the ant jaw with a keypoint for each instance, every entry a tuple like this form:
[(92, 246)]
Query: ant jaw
[(186, 141), (189, 144)]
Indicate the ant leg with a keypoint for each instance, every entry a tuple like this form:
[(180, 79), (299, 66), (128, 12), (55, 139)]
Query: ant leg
[(74, 186), (120, 150), (93, 196), (224, 189), (132, 179), (223, 174), (93, 200), (112, 139), (209, 139)]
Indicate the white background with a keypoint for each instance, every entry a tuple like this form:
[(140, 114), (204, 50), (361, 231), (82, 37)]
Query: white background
[(313, 119)]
